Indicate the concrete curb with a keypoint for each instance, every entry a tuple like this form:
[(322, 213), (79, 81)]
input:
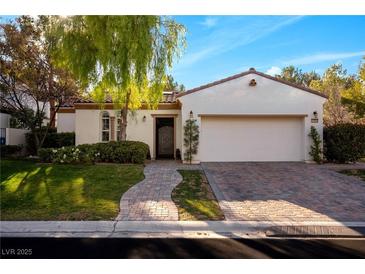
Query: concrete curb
[(179, 229)]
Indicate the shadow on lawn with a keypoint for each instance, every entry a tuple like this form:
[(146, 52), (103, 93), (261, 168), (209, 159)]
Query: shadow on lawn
[(64, 192)]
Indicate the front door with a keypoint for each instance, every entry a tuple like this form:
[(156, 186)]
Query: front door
[(165, 138)]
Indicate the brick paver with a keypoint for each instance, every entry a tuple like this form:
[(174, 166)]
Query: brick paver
[(286, 192), (150, 200)]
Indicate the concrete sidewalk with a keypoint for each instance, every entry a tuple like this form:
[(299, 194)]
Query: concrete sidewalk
[(179, 229)]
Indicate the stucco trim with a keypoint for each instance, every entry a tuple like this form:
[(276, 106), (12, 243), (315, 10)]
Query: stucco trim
[(254, 115), (165, 115), (164, 106), (112, 128), (66, 110), (112, 106), (251, 71)]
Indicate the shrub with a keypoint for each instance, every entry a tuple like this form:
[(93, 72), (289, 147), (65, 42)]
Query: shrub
[(122, 152), (59, 139), (316, 150), (191, 139), (8, 150), (52, 140), (45, 154), (30, 141), (138, 152), (114, 152), (344, 142)]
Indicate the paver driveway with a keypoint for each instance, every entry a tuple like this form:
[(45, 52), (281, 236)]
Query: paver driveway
[(286, 192), (150, 200)]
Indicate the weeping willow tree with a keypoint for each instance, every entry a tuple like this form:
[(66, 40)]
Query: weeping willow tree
[(124, 58)]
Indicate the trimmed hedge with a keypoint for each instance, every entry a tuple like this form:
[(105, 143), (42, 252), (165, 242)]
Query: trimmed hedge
[(344, 143), (112, 152), (53, 140), (8, 150), (60, 139)]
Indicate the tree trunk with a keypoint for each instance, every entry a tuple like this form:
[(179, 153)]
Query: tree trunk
[(52, 113), (123, 119), (36, 141), (190, 141), (123, 125)]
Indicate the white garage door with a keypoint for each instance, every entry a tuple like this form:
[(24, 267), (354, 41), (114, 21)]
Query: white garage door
[(251, 139)]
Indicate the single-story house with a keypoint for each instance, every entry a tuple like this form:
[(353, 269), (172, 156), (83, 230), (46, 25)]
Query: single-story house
[(250, 116)]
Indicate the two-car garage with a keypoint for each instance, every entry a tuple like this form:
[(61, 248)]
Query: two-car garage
[(251, 138), (253, 117)]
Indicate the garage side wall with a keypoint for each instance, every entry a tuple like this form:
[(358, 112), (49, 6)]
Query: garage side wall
[(268, 97)]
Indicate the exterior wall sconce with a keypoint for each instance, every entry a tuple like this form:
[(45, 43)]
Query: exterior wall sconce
[(144, 118), (253, 83), (315, 117), (191, 116)]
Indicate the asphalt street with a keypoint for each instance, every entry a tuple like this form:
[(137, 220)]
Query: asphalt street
[(155, 248)]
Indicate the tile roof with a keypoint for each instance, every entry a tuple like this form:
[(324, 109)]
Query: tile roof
[(168, 97), (69, 102)]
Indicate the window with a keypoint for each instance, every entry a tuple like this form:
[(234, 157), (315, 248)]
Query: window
[(118, 127), (105, 127)]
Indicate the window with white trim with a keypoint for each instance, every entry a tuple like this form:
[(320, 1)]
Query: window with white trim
[(105, 127), (118, 126)]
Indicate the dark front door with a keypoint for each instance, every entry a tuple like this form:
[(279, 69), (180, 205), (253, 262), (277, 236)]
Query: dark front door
[(165, 138)]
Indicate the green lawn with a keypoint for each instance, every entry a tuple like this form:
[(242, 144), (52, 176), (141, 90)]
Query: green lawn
[(355, 172), (195, 199), (34, 191)]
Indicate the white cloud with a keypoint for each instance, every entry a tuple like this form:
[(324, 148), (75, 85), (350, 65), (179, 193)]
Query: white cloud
[(235, 32), (273, 71), (209, 22), (321, 57)]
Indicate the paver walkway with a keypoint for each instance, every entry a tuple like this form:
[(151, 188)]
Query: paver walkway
[(150, 200), (285, 192)]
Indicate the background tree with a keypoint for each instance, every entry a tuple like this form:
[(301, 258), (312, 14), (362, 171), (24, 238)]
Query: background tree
[(28, 78), (124, 58), (191, 139), (171, 84), (354, 96), (333, 83), (346, 103), (297, 76)]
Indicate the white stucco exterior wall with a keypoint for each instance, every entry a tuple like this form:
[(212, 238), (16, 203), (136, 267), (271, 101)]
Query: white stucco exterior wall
[(88, 126), (15, 136), (65, 122), (138, 130), (4, 120), (267, 97)]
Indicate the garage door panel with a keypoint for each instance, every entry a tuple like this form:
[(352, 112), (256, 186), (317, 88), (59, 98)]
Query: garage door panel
[(251, 139)]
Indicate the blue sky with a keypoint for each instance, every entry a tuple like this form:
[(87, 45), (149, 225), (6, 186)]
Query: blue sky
[(220, 46)]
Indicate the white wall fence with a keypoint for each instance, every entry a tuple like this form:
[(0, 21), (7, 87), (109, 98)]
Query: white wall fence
[(13, 136)]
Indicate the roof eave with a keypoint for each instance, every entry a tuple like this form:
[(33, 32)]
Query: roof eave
[(247, 73)]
